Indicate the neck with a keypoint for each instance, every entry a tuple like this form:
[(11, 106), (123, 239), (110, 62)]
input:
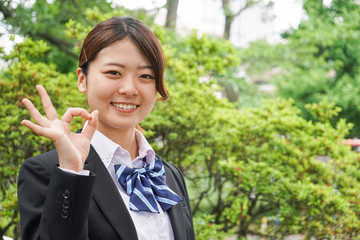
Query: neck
[(124, 137)]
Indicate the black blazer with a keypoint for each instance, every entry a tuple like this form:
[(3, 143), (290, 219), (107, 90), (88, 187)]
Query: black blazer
[(59, 205)]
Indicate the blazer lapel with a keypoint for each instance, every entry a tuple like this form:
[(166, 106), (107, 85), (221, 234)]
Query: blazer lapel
[(175, 212), (106, 195)]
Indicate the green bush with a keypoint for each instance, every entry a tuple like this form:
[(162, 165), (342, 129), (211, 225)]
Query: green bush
[(18, 80)]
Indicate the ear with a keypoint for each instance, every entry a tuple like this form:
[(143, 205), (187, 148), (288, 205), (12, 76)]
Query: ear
[(81, 80)]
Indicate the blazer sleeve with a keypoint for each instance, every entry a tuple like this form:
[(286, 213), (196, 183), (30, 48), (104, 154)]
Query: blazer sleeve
[(53, 204)]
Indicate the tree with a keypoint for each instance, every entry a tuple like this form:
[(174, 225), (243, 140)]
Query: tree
[(230, 14), (45, 20), (171, 16), (234, 86), (317, 60)]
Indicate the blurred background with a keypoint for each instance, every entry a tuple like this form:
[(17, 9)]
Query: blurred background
[(263, 115)]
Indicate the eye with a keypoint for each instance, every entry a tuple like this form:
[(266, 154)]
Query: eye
[(115, 73), (147, 76)]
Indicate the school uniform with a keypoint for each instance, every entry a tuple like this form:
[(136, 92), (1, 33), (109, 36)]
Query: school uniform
[(56, 204)]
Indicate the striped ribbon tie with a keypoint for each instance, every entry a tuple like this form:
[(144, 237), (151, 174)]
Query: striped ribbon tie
[(146, 187)]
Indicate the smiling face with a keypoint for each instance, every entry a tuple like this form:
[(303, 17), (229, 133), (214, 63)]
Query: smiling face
[(120, 84)]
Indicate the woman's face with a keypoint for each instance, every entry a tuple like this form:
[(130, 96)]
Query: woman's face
[(120, 84)]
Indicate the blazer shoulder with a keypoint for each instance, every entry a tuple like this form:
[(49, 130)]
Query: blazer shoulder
[(177, 175), (174, 169)]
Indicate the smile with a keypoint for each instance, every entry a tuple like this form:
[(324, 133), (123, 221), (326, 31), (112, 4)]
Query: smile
[(124, 106)]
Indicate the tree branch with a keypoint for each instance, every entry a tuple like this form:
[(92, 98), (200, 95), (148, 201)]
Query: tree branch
[(61, 44)]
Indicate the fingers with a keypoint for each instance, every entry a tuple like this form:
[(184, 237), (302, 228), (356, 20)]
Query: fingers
[(51, 125), (48, 106), (39, 119), (74, 112), (92, 124), (36, 128)]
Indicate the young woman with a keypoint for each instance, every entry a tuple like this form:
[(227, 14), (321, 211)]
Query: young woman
[(105, 182)]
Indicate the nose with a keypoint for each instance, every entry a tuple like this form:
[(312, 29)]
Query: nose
[(128, 87)]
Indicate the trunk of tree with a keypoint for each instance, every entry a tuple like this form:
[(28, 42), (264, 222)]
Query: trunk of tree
[(228, 22), (231, 93), (230, 14), (229, 18), (172, 6)]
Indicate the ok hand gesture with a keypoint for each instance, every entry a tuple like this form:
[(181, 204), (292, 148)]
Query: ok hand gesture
[(72, 148)]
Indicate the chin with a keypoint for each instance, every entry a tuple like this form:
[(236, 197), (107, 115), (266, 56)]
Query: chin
[(113, 126)]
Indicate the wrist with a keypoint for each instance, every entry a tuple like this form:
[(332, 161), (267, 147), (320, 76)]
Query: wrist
[(83, 172), (71, 167)]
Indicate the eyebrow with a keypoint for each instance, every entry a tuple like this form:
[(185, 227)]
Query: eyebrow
[(123, 66)]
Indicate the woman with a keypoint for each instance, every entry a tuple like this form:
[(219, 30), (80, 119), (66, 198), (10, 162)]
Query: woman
[(105, 182)]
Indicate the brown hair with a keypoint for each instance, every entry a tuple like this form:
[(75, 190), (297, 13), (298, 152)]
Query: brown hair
[(116, 28)]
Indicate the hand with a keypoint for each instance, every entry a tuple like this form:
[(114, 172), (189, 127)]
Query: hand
[(72, 148)]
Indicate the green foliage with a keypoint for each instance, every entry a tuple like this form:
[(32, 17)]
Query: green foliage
[(45, 20), (324, 111), (198, 56), (206, 229), (292, 171), (319, 59), (26, 70)]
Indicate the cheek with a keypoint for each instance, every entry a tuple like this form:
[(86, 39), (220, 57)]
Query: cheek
[(99, 87), (149, 95), (152, 95), (96, 92)]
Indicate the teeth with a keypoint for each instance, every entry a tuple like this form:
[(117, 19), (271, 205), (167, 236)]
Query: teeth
[(124, 106)]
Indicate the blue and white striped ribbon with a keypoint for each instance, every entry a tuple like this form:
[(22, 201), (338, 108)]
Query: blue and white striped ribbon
[(146, 187)]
